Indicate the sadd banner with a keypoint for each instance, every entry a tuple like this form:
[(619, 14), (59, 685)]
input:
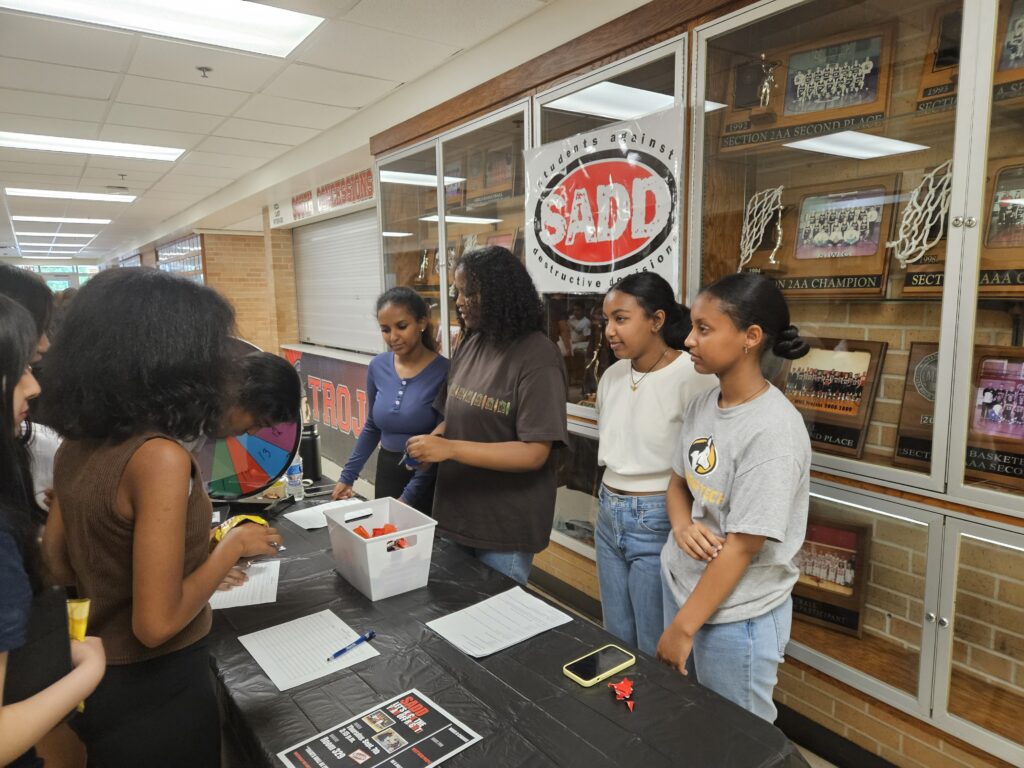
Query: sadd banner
[(605, 204)]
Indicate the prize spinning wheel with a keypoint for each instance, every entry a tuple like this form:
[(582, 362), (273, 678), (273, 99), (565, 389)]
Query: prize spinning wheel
[(236, 467)]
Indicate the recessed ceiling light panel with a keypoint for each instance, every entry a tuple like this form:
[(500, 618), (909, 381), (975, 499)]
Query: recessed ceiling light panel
[(237, 24), (51, 220), (59, 195), (87, 146), (859, 146)]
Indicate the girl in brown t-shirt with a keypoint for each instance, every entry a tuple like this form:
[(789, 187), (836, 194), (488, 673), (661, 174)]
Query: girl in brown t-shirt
[(504, 411), (139, 366)]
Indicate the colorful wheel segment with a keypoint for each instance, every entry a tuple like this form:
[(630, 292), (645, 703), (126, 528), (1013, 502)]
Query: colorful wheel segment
[(236, 467)]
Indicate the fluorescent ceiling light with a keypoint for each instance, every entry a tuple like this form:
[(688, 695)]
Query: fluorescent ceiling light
[(97, 196), (59, 220), (860, 146), (396, 234), (87, 146), (619, 102), (236, 24), (56, 234), (711, 106), (461, 219), (49, 257), (77, 247), (415, 179)]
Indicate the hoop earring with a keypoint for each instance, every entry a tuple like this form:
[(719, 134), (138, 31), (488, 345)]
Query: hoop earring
[(746, 350)]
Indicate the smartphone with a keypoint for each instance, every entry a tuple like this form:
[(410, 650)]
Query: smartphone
[(599, 665)]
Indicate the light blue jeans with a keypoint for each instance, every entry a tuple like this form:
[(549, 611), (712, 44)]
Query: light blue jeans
[(515, 565), (631, 531), (740, 660)]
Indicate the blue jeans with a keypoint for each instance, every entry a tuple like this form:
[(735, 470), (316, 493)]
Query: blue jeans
[(740, 660), (515, 565), (631, 531)]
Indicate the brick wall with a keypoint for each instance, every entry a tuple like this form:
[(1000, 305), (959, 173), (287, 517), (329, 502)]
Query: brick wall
[(236, 265), (876, 727), (989, 628)]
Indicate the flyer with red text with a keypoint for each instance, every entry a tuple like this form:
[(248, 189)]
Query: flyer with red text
[(407, 731)]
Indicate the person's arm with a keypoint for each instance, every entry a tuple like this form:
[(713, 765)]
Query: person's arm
[(155, 486), (720, 578), (55, 550), (22, 725), (512, 456), (695, 539), (369, 438)]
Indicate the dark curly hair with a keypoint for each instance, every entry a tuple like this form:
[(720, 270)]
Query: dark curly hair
[(509, 306), (140, 350)]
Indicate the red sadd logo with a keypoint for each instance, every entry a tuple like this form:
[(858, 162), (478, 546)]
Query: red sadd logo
[(606, 211)]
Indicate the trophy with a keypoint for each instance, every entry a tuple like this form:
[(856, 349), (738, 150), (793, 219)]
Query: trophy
[(762, 208), (923, 222), (764, 112)]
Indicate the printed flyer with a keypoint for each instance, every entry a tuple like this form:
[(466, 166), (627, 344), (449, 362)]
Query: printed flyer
[(408, 730)]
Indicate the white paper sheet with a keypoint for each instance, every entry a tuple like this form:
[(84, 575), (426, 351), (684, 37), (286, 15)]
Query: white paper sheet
[(260, 588), (296, 652), (312, 518), (498, 622)]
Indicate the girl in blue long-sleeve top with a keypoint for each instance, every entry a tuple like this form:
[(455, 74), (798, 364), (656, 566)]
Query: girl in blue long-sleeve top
[(401, 385)]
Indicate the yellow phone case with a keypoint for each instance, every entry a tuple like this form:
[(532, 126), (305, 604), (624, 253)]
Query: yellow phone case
[(604, 675)]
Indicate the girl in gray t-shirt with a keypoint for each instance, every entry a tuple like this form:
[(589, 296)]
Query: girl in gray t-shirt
[(737, 499)]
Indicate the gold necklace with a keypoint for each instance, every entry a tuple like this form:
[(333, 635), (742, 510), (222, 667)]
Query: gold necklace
[(634, 384), (760, 389)]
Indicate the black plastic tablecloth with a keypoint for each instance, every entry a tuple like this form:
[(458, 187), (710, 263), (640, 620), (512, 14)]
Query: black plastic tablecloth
[(527, 711)]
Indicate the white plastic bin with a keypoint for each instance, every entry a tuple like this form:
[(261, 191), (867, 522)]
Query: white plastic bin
[(366, 564)]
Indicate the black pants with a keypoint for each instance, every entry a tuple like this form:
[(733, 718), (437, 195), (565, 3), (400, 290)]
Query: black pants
[(160, 713), (392, 478)]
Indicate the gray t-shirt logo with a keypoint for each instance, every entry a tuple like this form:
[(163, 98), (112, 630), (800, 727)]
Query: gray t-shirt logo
[(703, 457)]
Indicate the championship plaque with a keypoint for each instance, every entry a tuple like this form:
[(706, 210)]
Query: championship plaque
[(917, 414), (941, 69), (833, 387), (1002, 245), (833, 239), (837, 84), (995, 434), (832, 586)]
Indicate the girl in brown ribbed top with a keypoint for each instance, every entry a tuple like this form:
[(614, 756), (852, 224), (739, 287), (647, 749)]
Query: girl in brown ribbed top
[(139, 366)]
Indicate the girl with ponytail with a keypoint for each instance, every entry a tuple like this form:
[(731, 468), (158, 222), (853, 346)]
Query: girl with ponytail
[(640, 404), (737, 499), (401, 385)]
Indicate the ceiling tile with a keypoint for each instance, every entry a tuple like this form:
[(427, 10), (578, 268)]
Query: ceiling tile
[(59, 42), (53, 78), (236, 128), (39, 168), (48, 126), (33, 156), (168, 95), (168, 119), (273, 109), (214, 160), (325, 86), (459, 23), (128, 164), (348, 47), (49, 105), (177, 60), (325, 9), (208, 171), (149, 136), (220, 145)]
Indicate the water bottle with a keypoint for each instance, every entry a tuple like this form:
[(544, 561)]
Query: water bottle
[(293, 480)]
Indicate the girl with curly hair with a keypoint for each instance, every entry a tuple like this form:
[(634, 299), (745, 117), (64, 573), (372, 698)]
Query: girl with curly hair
[(140, 365), (504, 412)]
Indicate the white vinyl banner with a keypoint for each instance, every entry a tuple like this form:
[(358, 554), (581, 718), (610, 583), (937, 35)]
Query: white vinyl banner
[(605, 204)]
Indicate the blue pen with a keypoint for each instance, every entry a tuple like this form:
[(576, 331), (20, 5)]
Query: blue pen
[(358, 641)]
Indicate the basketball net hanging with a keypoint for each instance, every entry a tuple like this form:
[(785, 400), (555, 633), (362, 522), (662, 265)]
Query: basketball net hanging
[(923, 222), (760, 210)]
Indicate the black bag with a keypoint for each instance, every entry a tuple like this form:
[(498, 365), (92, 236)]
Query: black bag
[(46, 655)]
